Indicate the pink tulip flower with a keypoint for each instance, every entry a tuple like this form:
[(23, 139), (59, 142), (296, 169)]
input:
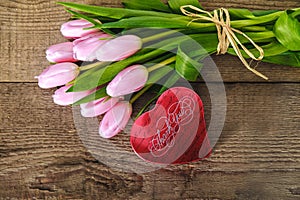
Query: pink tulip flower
[(98, 107), (76, 28), (115, 120), (62, 52), (129, 80), (119, 48), (57, 75), (85, 47), (63, 98)]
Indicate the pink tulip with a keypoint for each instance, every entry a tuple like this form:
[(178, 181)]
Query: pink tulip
[(63, 98), (115, 120), (119, 48), (129, 80), (58, 74), (98, 107), (85, 47), (62, 52), (76, 28)]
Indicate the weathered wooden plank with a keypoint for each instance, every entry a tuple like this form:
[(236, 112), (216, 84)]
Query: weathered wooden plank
[(42, 156), (258, 154), (251, 4), (232, 70), (28, 28)]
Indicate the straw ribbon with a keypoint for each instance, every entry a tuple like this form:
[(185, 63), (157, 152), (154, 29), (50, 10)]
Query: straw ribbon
[(226, 34)]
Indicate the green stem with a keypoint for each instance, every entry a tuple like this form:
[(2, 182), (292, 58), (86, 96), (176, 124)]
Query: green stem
[(257, 20), (264, 36), (155, 76), (254, 28), (158, 36), (140, 93), (90, 66), (162, 64), (146, 105), (170, 82), (240, 23), (295, 13)]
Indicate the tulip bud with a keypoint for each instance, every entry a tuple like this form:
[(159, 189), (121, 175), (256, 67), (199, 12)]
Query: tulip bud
[(63, 98), (129, 80), (119, 48), (75, 28), (85, 47), (57, 75), (115, 120), (62, 52), (98, 107)]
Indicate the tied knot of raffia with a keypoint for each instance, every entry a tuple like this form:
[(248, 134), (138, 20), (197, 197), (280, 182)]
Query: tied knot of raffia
[(226, 34)]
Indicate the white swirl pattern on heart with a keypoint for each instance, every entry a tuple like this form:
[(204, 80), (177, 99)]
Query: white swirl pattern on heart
[(178, 114)]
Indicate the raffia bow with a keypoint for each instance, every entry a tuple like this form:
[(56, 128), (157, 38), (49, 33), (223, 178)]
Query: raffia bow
[(226, 34)]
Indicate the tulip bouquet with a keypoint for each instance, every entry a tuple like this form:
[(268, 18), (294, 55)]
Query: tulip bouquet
[(101, 99), (123, 52)]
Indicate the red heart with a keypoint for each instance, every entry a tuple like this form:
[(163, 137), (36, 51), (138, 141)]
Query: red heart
[(174, 131)]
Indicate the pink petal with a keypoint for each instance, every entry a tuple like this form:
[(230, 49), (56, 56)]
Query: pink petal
[(115, 120), (119, 48), (84, 49), (61, 97), (75, 28), (62, 52), (57, 75), (98, 107), (129, 80)]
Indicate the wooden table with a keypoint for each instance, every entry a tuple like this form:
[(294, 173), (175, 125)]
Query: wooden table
[(42, 156)]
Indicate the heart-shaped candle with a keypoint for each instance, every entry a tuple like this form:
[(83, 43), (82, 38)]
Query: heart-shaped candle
[(174, 131)]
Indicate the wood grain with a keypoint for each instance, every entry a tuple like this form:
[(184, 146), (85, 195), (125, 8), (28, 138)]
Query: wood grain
[(251, 4), (257, 156), (28, 28), (49, 152)]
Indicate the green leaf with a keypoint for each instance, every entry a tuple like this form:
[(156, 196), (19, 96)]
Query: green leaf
[(208, 43), (255, 29), (176, 4), (155, 5), (185, 66), (87, 74), (264, 36), (287, 31), (159, 73), (271, 49), (169, 43), (256, 20), (115, 13), (290, 58), (90, 19), (106, 74), (259, 13), (94, 96), (159, 59), (296, 13), (96, 24), (174, 77), (149, 21), (236, 13), (159, 22), (88, 82)]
